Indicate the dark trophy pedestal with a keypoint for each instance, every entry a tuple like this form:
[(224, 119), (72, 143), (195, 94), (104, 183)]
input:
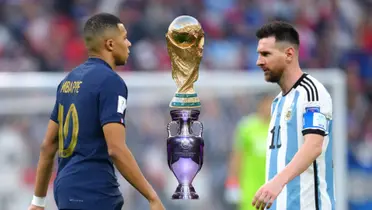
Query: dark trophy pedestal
[(185, 151)]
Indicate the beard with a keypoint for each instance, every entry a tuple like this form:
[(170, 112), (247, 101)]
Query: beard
[(273, 76), (120, 61)]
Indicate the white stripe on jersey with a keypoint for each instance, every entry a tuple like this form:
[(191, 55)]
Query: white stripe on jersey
[(290, 103), (315, 185), (325, 199)]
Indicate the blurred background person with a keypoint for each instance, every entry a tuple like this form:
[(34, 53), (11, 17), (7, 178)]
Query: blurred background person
[(247, 163), (14, 158)]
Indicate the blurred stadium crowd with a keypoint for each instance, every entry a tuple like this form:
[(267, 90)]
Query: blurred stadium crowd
[(44, 35)]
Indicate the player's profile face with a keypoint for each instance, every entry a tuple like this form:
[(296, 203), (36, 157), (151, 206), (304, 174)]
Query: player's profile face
[(122, 44), (271, 59)]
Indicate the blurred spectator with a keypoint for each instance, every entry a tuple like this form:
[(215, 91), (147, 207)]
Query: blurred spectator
[(14, 157), (41, 35)]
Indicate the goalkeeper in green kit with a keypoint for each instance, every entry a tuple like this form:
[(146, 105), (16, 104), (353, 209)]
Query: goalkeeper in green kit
[(247, 163)]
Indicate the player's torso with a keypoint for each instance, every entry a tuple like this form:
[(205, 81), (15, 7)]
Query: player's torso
[(284, 134), (284, 139), (83, 162)]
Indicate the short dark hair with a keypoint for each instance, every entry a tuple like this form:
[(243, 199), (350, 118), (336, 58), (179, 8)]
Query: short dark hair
[(282, 31), (97, 25)]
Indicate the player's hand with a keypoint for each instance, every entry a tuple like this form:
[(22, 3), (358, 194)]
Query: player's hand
[(156, 205), (32, 207), (267, 194)]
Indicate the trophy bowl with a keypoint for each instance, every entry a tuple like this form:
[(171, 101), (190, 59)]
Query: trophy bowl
[(184, 31)]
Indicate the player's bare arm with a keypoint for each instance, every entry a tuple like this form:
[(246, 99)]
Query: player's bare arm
[(48, 151), (305, 156), (125, 161)]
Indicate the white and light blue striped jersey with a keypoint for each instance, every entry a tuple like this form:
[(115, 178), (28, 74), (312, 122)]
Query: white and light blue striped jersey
[(306, 108)]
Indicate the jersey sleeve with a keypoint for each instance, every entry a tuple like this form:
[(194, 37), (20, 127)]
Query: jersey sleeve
[(317, 115), (113, 100), (54, 114)]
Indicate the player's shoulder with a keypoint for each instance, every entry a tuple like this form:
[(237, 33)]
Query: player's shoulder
[(94, 74), (275, 101), (277, 97), (101, 73), (312, 89), (114, 79), (318, 85)]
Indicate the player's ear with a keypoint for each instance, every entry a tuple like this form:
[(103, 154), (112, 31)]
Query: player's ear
[(109, 44), (290, 54)]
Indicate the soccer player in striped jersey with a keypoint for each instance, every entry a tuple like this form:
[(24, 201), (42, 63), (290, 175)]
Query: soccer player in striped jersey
[(299, 169)]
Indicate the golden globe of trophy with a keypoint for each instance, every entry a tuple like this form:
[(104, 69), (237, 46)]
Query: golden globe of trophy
[(185, 41)]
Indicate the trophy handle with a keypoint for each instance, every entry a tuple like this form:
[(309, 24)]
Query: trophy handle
[(168, 128), (201, 128)]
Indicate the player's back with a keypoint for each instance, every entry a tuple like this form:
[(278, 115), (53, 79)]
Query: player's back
[(85, 97), (305, 109)]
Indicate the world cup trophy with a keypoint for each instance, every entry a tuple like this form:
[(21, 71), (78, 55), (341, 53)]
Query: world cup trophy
[(185, 41)]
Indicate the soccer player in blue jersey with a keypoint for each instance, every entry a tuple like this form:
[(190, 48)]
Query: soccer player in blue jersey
[(87, 128), (299, 171)]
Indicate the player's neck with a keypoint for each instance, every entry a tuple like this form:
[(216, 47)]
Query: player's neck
[(107, 59), (289, 78)]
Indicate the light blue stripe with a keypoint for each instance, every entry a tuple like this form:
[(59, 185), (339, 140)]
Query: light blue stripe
[(273, 168), (273, 106), (329, 166), (294, 186)]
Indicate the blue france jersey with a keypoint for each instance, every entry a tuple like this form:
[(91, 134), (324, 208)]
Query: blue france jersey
[(305, 109), (89, 97)]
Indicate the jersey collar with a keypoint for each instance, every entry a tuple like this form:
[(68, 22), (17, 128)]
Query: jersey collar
[(296, 84), (98, 60)]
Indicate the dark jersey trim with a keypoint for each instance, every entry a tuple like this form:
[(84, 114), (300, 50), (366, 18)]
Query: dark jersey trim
[(297, 83), (316, 185), (314, 86), (307, 91), (313, 131), (312, 92)]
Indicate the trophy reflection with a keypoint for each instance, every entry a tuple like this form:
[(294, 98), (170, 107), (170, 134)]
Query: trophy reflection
[(185, 41)]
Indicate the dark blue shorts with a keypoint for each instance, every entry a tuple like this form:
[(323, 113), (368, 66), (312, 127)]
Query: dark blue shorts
[(67, 201), (82, 198), (117, 206)]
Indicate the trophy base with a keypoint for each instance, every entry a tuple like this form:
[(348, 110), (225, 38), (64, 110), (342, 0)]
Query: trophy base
[(185, 192)]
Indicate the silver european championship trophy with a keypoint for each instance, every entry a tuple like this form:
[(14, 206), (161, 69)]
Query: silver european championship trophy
[(185, 41)]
